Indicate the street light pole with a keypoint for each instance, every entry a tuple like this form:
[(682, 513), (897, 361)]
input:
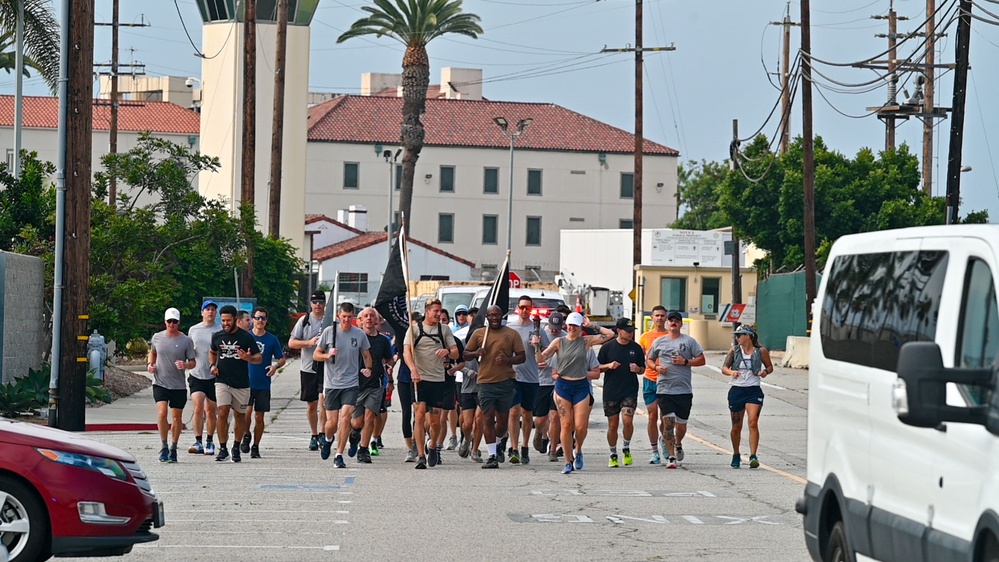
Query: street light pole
[(512, 135), (390, 159)]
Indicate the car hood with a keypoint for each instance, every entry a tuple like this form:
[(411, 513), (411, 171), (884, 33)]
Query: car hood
[(33, 435)]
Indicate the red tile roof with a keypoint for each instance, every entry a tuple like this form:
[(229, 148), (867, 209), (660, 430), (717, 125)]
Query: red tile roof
[(311, 218), (433, 91), (370, 239), (42, 112), (469, 123)]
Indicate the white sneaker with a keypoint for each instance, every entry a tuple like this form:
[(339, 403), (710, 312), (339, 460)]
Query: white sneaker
[(452, 443), (410, 456)]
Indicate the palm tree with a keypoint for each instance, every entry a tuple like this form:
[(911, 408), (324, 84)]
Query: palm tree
[(41, 37), (414, 23)]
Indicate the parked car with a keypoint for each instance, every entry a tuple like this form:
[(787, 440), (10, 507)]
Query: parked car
[(545, 302), (903, 400), (66, 495)]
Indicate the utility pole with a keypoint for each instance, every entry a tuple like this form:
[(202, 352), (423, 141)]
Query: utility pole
[(808, 159), (277, 130), (736, 273), (785, 81), (113, 135), (928, 95), (957, 118), (892, 36), (248, 191)]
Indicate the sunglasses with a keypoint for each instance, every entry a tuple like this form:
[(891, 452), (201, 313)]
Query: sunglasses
[(260, 318), (318, 301), (173, 321), (522, 307), (461, 314)]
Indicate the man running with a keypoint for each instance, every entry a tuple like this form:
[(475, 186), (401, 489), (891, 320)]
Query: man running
[(651, 376), (304, 337), (201, 380), (170, 353), (497, 349), (426, 349), (621, 359), (233, 349), (340, 349), (260, 381), (676, 353), (527, 384), (371, 390)]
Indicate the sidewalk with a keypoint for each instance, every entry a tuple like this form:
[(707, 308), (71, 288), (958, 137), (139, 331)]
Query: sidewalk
[(138, 411)]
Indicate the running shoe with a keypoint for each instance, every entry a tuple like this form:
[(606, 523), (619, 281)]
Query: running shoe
[(476, 456), (338, 462), (463, 449), (491, 463), (235, 455), (173, 455), (254, 452), (314, 443), (754, 462), (374, 449), (432, 457), (452, 443), (655, 458), (671, 463), (539, 442), (558, 451), (245, 445), (627, 457), (210, 448), (567, 469), (679, 452), (196, 449), (354, 438), (578, 463), (552, 457), (514, 457), (736, 460), (421, 464), (500, 458), (223, 454), (410, 456), (164, 454), (612, 463), (324, 448), (363, 455), (525, 457), (380, 444), (440, 459)]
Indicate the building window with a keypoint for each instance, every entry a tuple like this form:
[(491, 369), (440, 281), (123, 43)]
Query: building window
[(353, 282), (710, 295), (673, 292), (626, 224), (447, 179), (398, 177), (490, 226), (627, 185), (533, 231), (445, 228), (490, 180), (534, 182), (351, 175)]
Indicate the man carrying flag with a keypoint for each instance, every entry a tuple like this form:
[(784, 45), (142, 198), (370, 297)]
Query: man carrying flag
[(391, 302)]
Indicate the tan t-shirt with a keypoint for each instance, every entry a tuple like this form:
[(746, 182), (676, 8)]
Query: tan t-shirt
[(502, 341), (430, 366)]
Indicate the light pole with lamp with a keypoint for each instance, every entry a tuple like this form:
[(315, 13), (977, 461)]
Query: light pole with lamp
[(391, 160), (512, 135), (311, 234)]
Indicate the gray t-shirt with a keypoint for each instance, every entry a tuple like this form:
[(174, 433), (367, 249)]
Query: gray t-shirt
[(202, 337), (307, 328), (528, 370), (341, 370), (676, 379), (169, 350)]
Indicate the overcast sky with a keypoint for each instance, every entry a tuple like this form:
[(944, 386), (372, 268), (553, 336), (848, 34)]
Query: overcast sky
[(549, 51)]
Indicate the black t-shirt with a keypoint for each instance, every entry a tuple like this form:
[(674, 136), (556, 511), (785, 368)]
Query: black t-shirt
[(621, 382), (233, 371), (380, 350)]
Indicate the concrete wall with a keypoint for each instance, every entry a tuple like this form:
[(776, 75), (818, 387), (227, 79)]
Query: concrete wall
[(22, 286)]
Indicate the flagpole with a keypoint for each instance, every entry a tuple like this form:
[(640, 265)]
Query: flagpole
[(404, 259)]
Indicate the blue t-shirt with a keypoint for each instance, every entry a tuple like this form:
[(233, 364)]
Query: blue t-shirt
[(270, 348)]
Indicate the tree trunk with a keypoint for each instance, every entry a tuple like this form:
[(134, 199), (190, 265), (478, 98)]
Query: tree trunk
[(415, 81)]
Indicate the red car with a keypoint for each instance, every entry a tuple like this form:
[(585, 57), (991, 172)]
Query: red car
[(63, 494)]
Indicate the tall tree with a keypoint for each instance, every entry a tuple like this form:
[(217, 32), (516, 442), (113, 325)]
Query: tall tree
[(414, 23), (41, 36), (698, 186)]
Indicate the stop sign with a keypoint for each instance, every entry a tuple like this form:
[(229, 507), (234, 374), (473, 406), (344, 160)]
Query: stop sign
[(514, 280)]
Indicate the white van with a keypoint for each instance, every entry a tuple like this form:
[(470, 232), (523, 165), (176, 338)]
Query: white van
[(903, 419)]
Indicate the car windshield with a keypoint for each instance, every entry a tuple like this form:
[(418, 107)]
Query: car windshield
[(449, 301)]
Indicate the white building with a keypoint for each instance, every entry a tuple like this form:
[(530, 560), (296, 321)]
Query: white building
[(569, 171)]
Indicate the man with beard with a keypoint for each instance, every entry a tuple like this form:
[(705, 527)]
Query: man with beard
[(233, 349)]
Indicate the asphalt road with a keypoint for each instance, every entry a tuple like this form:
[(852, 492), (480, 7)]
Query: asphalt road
[(291, 505)]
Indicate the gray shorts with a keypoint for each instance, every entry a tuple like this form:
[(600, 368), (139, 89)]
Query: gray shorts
[(497, 395), (369, 399), (336, 398)]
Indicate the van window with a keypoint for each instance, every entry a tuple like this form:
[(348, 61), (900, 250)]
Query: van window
[(874, 303), (450, 301), (978, 340)]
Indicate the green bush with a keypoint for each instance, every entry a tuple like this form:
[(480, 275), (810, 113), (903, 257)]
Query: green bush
[(13, 400), (95, 389), (36, 385)]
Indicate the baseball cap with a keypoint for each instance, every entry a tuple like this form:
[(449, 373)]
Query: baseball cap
[(556, 319), (172, 314), (317, 295), (574, 319), (459, 309), (744, 329), (674, 314), (625, 324), (206, 304)]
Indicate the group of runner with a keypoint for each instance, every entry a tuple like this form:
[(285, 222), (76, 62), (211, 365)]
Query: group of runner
[(511, 378)]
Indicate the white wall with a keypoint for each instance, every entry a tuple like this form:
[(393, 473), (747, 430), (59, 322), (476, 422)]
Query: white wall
[(329, 234), (592, 196)]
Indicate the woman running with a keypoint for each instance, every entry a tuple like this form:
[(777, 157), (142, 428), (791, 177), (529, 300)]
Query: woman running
[(747, 363)]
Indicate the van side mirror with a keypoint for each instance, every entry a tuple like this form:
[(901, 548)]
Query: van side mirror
[(921, 393)]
